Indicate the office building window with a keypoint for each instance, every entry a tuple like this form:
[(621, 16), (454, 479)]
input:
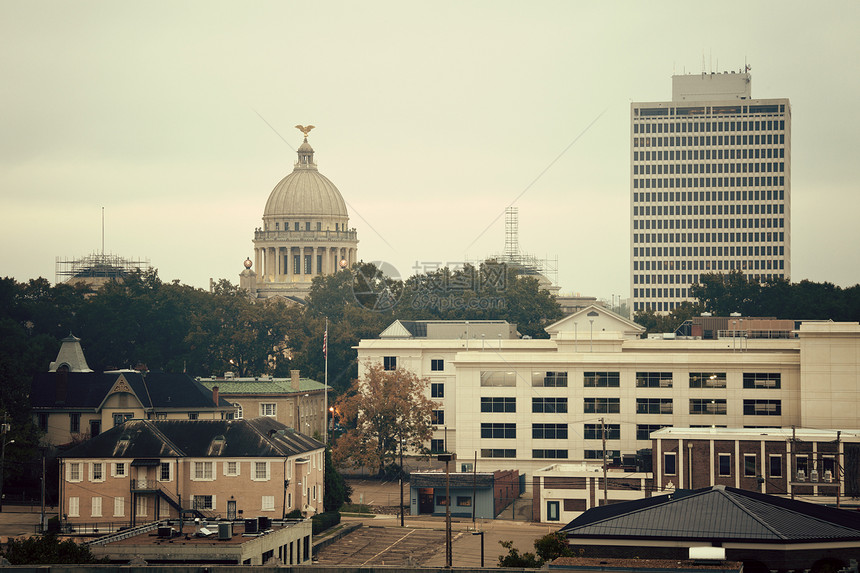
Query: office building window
[(595, 431), (498, 430), (437, 446), (775, 465), (724, 463), (551, 379), (653, 379), (670, 464), (653, 405), (498, 404), (552, 512), (601, 379), (602, 405), (549, 405), (762, 407), (389, 363), (549, 431), (550, 454), (750, 465), (498, 378), (437, 365), (437, 417), (437, 390), (643, 431), (762, 379), (706, 406), (611, 455), (707, 379), (498, 453)]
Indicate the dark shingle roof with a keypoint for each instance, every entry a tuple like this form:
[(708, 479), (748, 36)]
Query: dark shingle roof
[(260, 437), (717, 513), (416, 328), (87, 390)]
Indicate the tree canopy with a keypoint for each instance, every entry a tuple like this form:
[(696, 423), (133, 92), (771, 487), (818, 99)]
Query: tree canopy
[(384, 412)]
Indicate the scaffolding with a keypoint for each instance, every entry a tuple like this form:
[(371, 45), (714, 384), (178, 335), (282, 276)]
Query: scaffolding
[(97, 268)]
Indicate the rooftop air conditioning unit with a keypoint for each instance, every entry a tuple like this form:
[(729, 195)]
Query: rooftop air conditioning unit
[(251, 525), (264, 523), (225, 531), (801, 475), (828, 476), (813, 475)]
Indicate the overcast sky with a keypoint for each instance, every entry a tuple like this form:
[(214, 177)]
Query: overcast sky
[(431, 118)]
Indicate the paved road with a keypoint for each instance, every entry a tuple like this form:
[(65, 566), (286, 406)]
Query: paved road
[(19, 521)]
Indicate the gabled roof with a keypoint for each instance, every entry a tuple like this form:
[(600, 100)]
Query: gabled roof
[(716, 513), (616, 322), (275, 386), (146, 439), (88, 390)]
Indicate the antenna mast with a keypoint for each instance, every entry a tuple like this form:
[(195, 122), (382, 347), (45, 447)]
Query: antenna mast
[(103, 231)]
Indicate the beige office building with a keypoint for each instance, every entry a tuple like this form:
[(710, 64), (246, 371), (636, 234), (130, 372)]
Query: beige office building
[(710, 186)]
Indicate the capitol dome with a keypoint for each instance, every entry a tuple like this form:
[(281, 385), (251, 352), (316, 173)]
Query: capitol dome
[(305, 233), (304, 194)]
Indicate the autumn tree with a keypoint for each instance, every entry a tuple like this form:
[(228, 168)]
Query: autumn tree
[(385, 412)]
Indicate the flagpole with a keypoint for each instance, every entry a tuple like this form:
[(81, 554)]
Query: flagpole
[(325, 390)]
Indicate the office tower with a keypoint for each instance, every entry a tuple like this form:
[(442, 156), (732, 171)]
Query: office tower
[(710, 184)]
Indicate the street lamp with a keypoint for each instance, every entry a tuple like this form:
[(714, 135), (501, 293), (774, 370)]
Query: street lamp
[(3, 467)]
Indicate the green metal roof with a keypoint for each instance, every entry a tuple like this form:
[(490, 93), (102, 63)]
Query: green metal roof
[(276, 386)]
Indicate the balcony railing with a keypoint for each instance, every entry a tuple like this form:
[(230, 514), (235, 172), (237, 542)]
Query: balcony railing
[(305, 236)]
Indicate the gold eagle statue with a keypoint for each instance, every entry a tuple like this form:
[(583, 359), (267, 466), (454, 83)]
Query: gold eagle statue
[(305, 129)]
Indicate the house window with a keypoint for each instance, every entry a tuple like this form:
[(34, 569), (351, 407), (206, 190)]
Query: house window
[(601, 379), (498, 404), (750, 465), (239, 414), (437, 446), (389, 363), (140, 505), (203, 471), (164, 474), (201, 502), (231, 468), (261, 471), (119, 507), (74, 472), (549, 405), (670, 466), (192, 415), (75, 422), (653, 379), (643, 431), (268, 409), (119, 469), (707, 379), (705, 406), (549, 379), (762, 379), (602, 405), (775, 465), (437, 365), (74, 507), (42, 420), (268, 503), (725, 464), (498, 430), (594, 431), (437, 390), (437, 417), (653, 405), (549, 431), (97, 507), (120, 418), (552, 513), (98, 471)]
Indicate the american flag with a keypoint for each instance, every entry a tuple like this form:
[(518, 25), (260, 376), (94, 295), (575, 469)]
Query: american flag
[(325, 342)]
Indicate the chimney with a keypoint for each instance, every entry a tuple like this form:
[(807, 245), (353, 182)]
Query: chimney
[(215, 397), (294, 377)]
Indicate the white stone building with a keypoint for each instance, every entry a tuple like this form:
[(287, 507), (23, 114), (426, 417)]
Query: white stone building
[(710, 186), (305, 233), (523, 404)]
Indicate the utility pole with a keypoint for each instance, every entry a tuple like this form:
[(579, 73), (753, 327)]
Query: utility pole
[(603, 437), (3, 459), (792, 470), (837, 469)]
